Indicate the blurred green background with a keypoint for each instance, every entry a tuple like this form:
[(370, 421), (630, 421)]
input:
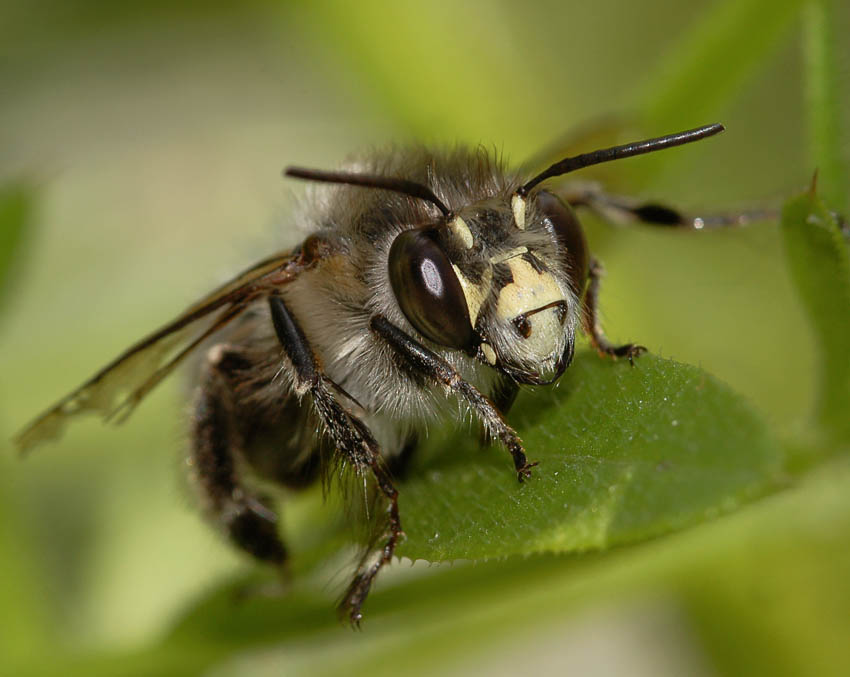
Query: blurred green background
[(149, 139)]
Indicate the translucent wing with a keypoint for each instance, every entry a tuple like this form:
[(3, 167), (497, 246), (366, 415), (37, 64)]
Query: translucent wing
[(116, 389)]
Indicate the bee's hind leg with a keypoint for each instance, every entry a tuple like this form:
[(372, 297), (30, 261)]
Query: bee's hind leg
[(216, 443), (352, 439), (626, 210)]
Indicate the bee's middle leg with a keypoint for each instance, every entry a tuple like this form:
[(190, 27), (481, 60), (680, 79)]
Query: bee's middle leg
[(216, 443), (351, 438)]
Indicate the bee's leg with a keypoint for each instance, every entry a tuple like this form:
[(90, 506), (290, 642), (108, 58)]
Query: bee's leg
[(427, 363), (351, 438), (626, 210), (593, 327), (249, 523), (503, 398)]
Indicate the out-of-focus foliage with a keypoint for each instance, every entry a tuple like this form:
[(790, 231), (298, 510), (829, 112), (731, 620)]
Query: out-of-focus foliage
[(156, 134), (16, 204)]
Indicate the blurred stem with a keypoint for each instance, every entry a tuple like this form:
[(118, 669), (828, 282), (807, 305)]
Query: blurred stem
[(821, 19), (819, 263), (16, 208)]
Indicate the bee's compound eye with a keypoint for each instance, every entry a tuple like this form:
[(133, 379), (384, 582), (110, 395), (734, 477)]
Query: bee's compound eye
[(565, 226), (428, 291)]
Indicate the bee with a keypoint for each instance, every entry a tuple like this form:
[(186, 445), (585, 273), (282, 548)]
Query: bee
[(430, 279)]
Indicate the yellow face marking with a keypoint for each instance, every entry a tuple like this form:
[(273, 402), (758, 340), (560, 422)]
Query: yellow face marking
[(489, 353), (474, 293), (528, 292), (518, 207), (461, 231)]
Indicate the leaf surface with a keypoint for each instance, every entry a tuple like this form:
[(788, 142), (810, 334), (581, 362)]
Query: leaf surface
[(625, 454)]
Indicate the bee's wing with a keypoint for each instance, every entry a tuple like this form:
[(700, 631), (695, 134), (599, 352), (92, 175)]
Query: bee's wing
[(115, 390)]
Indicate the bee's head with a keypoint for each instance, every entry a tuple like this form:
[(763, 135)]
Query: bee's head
[(499, 280)]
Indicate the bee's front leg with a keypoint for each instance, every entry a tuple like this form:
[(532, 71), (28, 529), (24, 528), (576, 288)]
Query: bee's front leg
[(429, 364), (351, 438)]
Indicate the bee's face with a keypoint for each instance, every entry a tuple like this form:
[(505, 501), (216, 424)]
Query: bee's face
[(499, 280)]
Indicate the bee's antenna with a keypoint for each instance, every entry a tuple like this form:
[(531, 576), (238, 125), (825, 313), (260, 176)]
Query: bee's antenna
[(402, 186), (617, 152)]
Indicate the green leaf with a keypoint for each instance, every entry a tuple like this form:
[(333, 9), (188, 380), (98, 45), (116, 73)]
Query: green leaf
[(15, 213), (819, 260), (625, 454)]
